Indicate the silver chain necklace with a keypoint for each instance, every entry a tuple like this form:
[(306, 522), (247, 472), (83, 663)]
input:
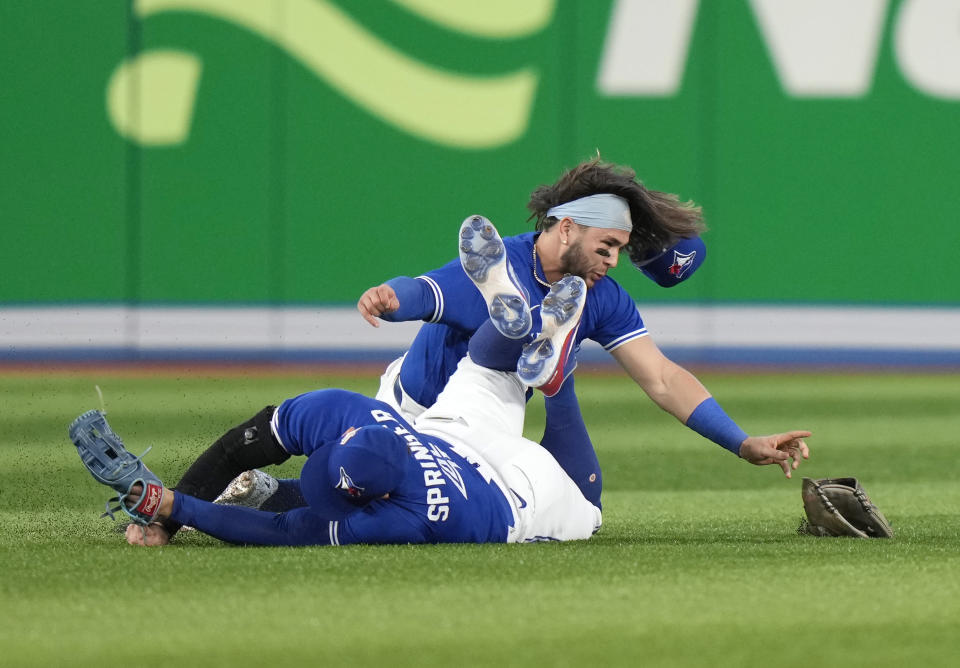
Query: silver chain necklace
[(537, 278)]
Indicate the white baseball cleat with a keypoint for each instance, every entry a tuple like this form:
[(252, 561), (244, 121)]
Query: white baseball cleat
[(250, 488), (547, 361), (484, 259)]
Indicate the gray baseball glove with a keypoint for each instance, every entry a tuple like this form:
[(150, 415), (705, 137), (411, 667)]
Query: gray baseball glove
[(841, 507), (102, 452)]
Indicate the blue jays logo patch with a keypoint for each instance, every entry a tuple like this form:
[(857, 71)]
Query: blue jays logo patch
[(346, 484), (681, 262)]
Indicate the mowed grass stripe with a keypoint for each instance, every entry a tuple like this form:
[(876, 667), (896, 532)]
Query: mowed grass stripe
[(698, 562)]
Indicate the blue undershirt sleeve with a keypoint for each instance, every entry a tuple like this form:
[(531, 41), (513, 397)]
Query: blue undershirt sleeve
[(565, 437), (247, 526), (376, 523), (379, 522), (454, 289), (417, 300)]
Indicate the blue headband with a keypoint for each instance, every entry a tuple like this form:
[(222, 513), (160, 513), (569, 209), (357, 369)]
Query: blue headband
[(605, 210)]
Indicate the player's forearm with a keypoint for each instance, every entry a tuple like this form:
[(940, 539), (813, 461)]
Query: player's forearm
[(691, 403), (248, 526), (416, 297), (679, 393), (670, 386)]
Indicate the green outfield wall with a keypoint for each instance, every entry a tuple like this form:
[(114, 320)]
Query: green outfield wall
[(233, 152)]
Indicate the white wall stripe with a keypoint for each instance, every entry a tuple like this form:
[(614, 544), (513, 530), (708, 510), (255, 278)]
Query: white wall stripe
[(342, 328)]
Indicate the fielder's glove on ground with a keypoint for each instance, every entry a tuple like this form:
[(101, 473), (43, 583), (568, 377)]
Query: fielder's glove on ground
[(840, 507), (102, 452)]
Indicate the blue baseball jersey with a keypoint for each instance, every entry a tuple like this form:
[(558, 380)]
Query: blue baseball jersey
[(448, 495), (610, 318)]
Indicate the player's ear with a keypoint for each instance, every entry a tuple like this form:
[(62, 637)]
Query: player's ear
[(566, 228)]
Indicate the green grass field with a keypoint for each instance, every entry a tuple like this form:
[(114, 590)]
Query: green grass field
[(697, 562)]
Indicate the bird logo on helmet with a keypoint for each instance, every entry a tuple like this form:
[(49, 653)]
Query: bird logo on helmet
[(346, 484), (681, 262)]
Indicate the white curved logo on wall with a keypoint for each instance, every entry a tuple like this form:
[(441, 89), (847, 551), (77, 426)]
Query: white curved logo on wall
[(150, 97)]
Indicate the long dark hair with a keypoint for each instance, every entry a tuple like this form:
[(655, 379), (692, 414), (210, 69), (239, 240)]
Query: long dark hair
[(659, 219)]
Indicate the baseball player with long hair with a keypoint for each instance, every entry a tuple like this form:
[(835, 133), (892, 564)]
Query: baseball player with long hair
[(461, 472), (584, 221)]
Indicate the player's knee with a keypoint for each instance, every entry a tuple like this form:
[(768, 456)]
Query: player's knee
[(252, 444), (591, 486)]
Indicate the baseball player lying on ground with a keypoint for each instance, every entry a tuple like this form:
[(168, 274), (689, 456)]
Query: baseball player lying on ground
[(461, 472)]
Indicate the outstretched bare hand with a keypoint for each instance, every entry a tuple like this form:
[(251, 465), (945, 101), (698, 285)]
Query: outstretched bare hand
[(785, 449)]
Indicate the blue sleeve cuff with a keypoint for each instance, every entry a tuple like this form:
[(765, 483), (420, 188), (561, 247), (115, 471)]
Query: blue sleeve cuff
[(417, 301), (710, 421)]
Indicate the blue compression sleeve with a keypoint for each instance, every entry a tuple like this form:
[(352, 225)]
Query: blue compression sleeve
[(489, 348), (248, 526), (565, 437), (710, 421), (417, 301)]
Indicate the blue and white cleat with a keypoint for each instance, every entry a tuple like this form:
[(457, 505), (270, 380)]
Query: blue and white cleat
[(547, 361), (484, 259)]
